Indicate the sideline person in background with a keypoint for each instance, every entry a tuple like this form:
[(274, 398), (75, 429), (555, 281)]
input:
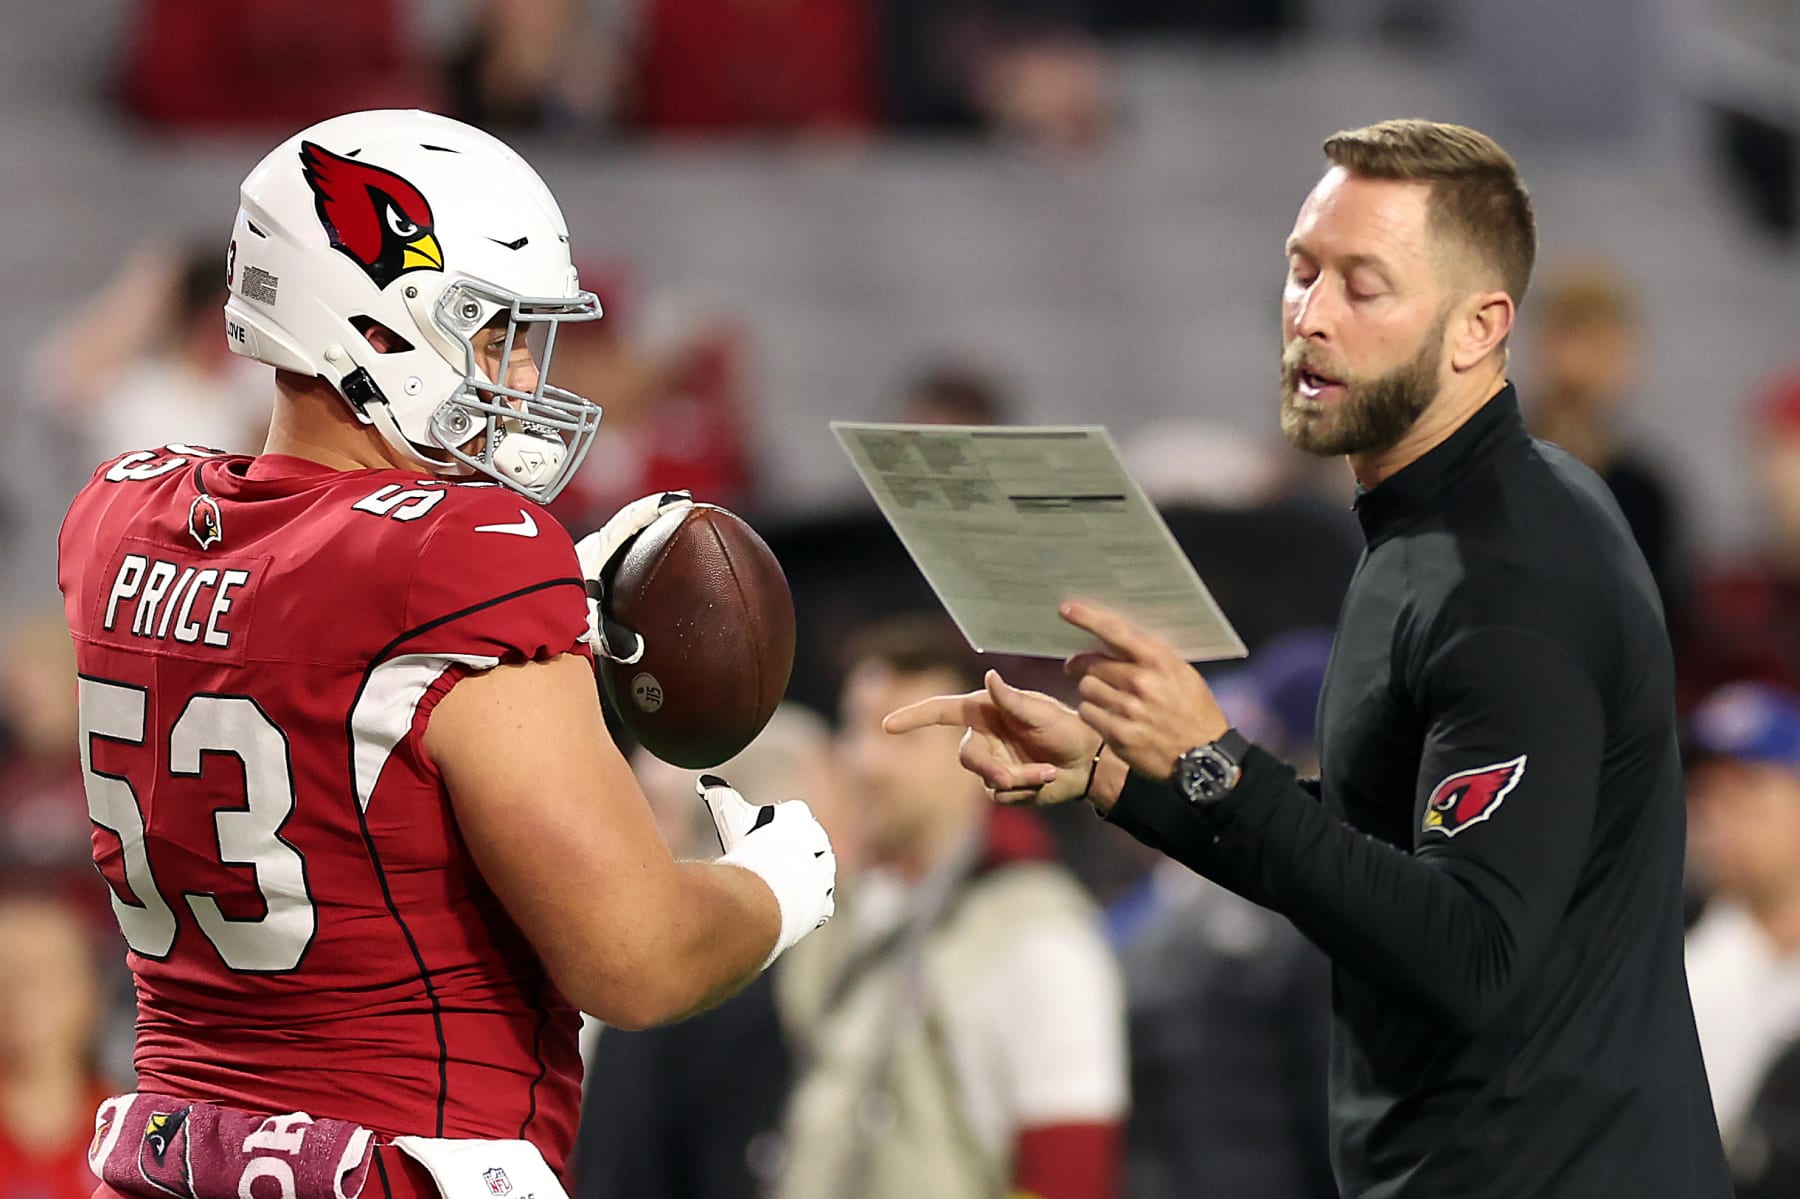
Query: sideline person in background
[(1746, 619), (1743, 954), (49, 1024), (962, 1032), (1588, 359)]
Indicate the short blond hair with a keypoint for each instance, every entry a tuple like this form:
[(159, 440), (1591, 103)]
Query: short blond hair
[(1477, 196)]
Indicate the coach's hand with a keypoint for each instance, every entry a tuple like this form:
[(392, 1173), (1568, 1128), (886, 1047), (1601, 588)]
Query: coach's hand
[(1025, 746), (1151, 706)]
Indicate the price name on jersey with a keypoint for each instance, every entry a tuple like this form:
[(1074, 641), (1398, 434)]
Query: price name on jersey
[(156, 599)]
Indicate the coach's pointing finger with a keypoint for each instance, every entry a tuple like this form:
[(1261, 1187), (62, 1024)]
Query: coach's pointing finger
[(1123, 638), (957, 711)]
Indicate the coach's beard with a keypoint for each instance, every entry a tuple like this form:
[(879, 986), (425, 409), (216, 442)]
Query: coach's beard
[(1372, 415)]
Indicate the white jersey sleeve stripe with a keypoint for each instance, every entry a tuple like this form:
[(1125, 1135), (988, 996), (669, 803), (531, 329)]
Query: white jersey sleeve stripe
[(385, 709)]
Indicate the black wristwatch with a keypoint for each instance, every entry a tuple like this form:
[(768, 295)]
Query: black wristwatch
[(1207, 773)]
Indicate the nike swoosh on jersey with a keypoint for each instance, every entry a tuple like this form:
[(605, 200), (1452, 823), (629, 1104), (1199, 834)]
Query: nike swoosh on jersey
[(526, 527)]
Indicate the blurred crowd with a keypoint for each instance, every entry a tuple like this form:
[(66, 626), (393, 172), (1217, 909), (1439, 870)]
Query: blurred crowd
[(831, 71), (1007, 1000), (824, 70)]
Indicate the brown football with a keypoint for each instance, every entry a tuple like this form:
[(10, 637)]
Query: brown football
[(712, 605)]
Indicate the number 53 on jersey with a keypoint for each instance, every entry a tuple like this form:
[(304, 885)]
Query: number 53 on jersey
[(210, 734)]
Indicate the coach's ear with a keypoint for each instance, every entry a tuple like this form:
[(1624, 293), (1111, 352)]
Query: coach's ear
[(1477, 327)]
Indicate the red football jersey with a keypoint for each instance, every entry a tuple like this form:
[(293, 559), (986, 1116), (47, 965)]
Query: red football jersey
[(260, 643)]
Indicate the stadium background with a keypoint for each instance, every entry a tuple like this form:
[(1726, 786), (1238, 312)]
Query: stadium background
[(1132, 281)]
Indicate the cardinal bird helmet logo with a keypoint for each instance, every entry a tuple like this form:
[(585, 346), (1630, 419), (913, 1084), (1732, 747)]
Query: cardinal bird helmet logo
[(1469, 797), (374, 217)]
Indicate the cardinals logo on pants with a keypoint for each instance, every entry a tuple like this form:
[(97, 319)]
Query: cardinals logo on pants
[(1469, 797)]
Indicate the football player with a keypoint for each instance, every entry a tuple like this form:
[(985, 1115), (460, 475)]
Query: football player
[(369, 842)]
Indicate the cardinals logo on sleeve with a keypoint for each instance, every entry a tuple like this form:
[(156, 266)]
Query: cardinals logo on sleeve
[(1469, 797), (377, 219)]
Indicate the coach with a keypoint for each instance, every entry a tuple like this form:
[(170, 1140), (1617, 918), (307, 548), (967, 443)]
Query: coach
[(1492, 855)]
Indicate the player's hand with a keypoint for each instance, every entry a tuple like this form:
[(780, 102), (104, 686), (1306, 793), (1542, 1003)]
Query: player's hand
[(599, 552), (1151, 706), (785, 846), (1025, 746)]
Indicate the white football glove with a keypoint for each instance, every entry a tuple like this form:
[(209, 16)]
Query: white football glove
[(598, 553), (786, 847)]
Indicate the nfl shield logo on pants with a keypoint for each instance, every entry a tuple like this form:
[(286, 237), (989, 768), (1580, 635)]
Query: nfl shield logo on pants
[(497, 1182)]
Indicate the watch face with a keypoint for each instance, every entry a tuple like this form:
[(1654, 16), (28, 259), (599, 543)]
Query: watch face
[(1207, 773)]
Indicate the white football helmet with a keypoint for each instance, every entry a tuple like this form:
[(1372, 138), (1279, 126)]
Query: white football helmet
[(433, 229)]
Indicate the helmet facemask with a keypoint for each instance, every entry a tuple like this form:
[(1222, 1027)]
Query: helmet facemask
[(530, 440)]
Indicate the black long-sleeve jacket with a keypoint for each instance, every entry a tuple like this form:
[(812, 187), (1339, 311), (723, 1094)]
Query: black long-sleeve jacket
[(1493, 857)]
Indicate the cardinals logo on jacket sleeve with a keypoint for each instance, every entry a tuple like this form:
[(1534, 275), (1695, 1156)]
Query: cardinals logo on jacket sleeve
[(375, 218), (1469, 797)]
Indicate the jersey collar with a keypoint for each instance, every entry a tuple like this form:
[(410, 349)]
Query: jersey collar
[(1418, 488), (245, 478)]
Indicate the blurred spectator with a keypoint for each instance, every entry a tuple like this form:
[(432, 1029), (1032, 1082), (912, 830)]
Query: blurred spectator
[(49, 1084), (1220, 989), (536, 64), (1022, 68), (1049, 88), (690, 1110), (209, 64), (1746, 618), (757, 66), (164, 371), (1589, 360), (45, 834), (673, 383), (1743, 956), (847, 68), (949, 392), (960, 1020)]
